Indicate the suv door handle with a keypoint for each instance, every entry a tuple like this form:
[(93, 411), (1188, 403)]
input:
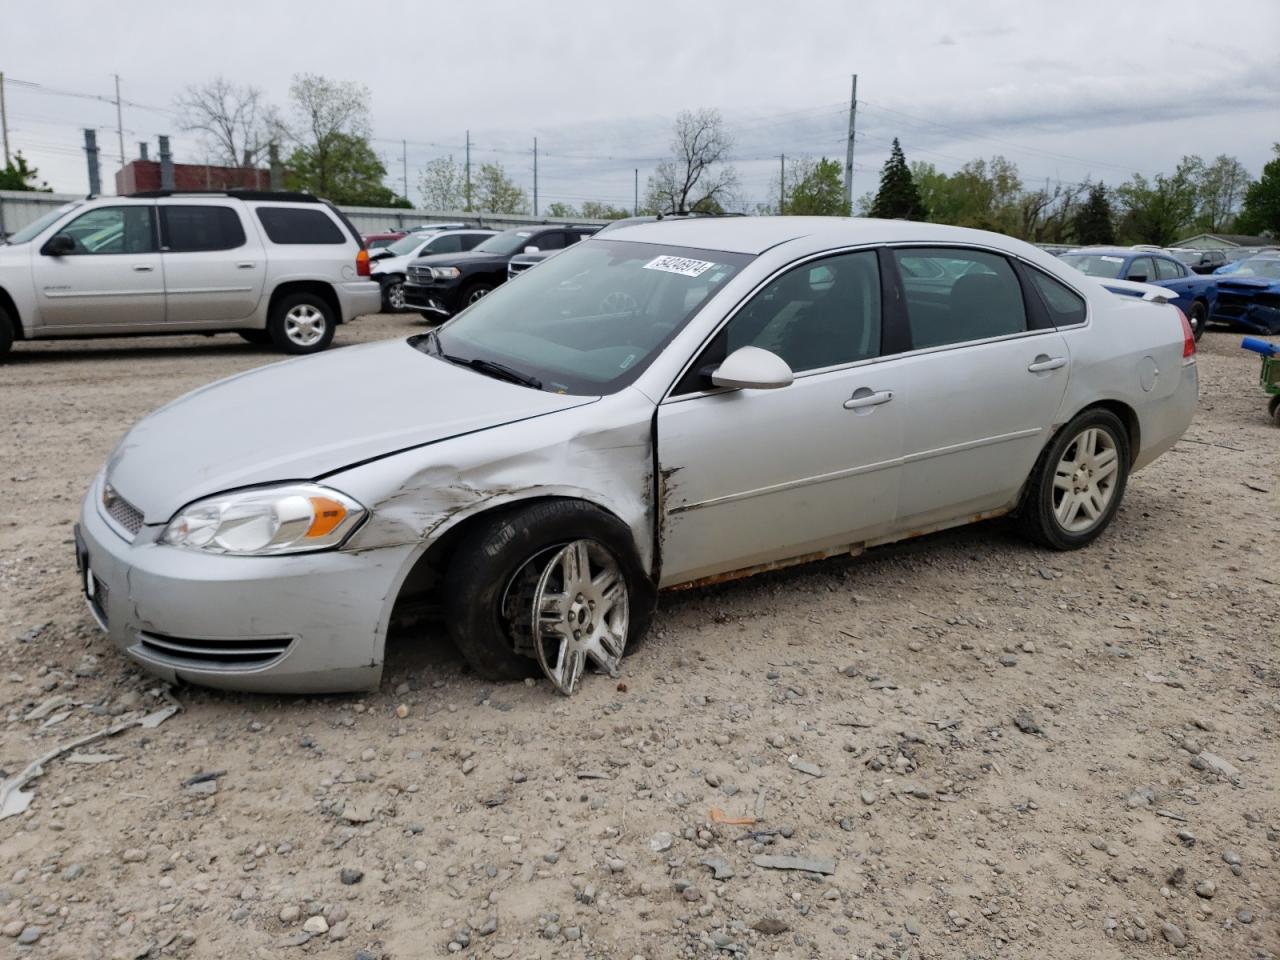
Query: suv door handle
[(143, 267), (1044, 363), (245, 265), (865, 397)]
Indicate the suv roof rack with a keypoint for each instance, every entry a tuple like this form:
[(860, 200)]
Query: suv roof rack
[(292, 196)]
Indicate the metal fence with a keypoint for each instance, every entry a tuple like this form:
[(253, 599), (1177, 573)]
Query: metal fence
[(21, 207)]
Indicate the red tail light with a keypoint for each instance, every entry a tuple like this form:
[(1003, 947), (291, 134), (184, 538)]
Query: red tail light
[(362, 268), (1188, 336)]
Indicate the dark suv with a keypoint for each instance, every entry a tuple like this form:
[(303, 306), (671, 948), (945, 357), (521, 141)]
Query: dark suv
[(441, 285)]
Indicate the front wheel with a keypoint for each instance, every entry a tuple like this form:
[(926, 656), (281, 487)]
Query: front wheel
[(6, 333), (1078, 482), (1198, 318), (302, 323), (393, 296), (475, 292), (554, 585)]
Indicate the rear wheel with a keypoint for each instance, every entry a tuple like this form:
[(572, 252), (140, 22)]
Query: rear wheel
[(1198, 318), (302, 323), (1078, 482), (557, 585), (6, 333), (1273, 407)]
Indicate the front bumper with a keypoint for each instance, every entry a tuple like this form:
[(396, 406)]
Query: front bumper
[(359, 297), (309, 623), (441, 298)]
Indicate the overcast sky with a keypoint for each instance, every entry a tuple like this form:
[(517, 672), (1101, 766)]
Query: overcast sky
[(1063, 89)]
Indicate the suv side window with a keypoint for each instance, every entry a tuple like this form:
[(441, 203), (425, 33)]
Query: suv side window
[(445, 243), (288, 225), (823, 313), (1141, 269), (187, 229), (469, 240), (955, 295), (553, 240), (108, 230), (1167, 269)]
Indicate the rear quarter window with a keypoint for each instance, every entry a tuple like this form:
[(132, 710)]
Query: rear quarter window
[(1064, 306), (290, 225)]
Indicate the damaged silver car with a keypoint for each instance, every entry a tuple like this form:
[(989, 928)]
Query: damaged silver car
[(668, 405)]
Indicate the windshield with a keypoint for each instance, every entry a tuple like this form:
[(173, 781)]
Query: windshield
[(407, 245), (1095, 264), (32, 230), (590, 320), (509, 241), (1259, 267)]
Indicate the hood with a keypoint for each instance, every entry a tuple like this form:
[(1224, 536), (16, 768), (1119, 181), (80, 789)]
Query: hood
[(304, 418), (1246, 283)]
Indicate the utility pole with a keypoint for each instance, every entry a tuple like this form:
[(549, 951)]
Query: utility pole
[(637, 206), (782, 184), (404, 166), (91, 157), (468, 187), (848, 157), (535, 176), (119, 120), (4, 120)]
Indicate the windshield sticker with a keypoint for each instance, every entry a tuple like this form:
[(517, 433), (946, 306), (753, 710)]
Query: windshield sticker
[(1107, 259), (681, 265)]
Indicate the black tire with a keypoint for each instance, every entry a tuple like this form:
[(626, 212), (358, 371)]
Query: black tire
[(1198, 318), (488, 561), (393, 290), (6, 333), (1273, 408), (260, 338), (474, 292), (308, 305), (1037, 517)]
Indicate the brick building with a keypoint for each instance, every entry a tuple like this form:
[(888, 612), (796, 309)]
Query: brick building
[(143, 175)]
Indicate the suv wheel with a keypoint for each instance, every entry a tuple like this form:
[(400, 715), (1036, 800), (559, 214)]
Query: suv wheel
[(475, 292), (302, 323), (393, 296), (6, 332)]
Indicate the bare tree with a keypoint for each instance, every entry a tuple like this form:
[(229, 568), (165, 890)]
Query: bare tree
[(233, 120), (328, 115), (698, 176)]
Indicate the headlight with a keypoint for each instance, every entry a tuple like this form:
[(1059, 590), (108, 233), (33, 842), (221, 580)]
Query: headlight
[(445, 273), (291, 518)]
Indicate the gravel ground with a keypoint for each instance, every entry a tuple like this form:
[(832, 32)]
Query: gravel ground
[(974, 748)]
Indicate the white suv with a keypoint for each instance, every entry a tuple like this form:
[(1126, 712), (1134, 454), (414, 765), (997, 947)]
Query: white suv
[(280, 268)]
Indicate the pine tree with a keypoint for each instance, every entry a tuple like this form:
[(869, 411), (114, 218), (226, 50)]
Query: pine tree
[(898, 198), (1093, 223)]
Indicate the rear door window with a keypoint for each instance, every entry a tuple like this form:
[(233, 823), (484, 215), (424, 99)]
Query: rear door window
[(1064, 305), (1141, 269), (553, 240), (445, 243), (1167, 270), (955, 295), (292, 225), (188, 229)]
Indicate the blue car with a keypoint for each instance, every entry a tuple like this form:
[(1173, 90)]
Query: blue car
[(1150, 266), (1249, 296)]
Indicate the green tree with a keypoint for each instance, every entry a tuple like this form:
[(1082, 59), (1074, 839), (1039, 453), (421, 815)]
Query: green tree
[(817, 190), (561, 210), (443, 185), (1261, 210), (897, 198), (1093, 222), (1220, 188), (595, 210), (493, 191), (349, 172), (17, 175), (1158, 210)]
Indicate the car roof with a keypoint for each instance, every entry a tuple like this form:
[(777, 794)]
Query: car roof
[(754, 235)]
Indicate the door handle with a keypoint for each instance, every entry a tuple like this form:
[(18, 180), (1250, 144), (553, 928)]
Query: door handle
[(143, 267), (865, 397), (245, 265), (1043, 363)]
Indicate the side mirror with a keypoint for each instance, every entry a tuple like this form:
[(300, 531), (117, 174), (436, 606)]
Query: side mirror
[(754, 369), (530, 249), (59, 245)]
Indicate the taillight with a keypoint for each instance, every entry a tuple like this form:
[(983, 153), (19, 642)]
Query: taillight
[(1188, 336), (362, 267)]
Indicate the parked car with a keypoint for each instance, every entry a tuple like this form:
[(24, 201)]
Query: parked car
[(377, 241), (277, 268), (523, 261), (439, 286), (1148, 265), (390, 264), (664, 406), (1239, 255), (1200, 261), (1249, 296)]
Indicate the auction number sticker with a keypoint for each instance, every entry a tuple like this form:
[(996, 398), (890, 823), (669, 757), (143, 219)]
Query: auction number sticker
[(681, 265)]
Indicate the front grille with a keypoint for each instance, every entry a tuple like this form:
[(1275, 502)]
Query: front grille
[(514, 267), (213, 654), (420, 275), (121, 510)]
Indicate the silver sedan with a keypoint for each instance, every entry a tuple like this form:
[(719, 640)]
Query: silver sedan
[(668, 405)]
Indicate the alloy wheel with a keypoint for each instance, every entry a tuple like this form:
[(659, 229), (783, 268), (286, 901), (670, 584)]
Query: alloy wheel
[(1084, 481), (304, 325), (395, 296)]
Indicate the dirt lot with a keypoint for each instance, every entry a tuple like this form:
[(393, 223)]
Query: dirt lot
[(997, 749)]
